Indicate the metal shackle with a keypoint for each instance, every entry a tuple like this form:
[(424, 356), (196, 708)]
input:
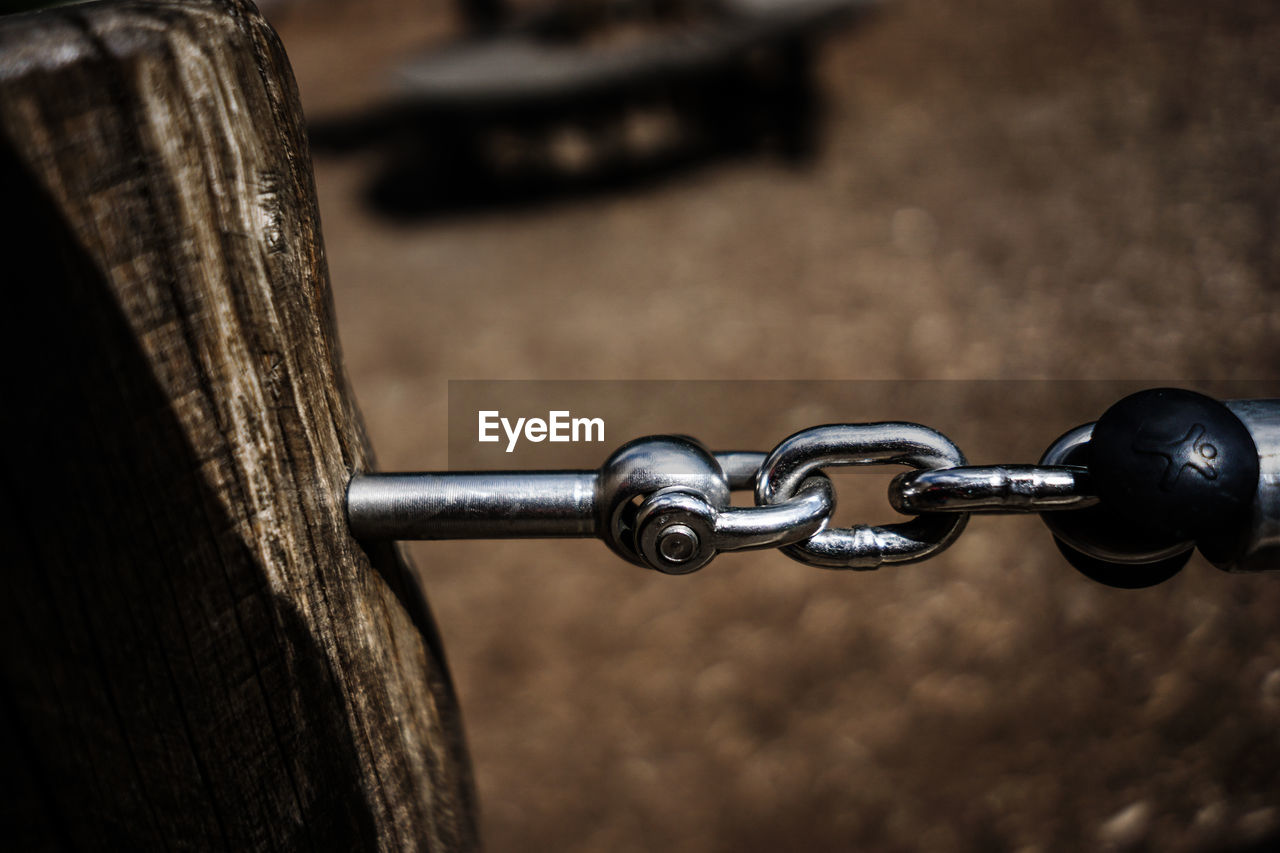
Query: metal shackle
[(685, 479), (662, 502)]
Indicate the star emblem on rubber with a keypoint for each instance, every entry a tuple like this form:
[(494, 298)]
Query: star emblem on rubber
[(1190, 451)]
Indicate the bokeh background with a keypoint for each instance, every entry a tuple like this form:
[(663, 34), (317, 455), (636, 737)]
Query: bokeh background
[(1002, 189)]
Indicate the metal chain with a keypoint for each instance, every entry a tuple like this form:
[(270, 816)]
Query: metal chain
[(663, 501)]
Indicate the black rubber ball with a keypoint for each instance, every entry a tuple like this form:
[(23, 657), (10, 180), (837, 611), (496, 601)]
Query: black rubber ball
[(1174, 462)]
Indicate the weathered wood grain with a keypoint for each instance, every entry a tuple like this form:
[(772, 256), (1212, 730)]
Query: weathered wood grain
[(195, 652)]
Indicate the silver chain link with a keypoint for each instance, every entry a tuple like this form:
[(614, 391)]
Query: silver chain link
[(863, 546)]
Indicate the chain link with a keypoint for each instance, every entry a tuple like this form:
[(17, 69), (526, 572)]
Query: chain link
[(863, 546)]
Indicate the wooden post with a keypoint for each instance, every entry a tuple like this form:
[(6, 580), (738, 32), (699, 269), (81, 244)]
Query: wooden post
[(195, 652)]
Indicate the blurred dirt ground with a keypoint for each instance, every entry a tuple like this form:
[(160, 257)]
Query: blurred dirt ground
[(1035, 189)]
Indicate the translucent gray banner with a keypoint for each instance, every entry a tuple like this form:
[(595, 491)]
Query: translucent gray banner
[(991, 420)]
